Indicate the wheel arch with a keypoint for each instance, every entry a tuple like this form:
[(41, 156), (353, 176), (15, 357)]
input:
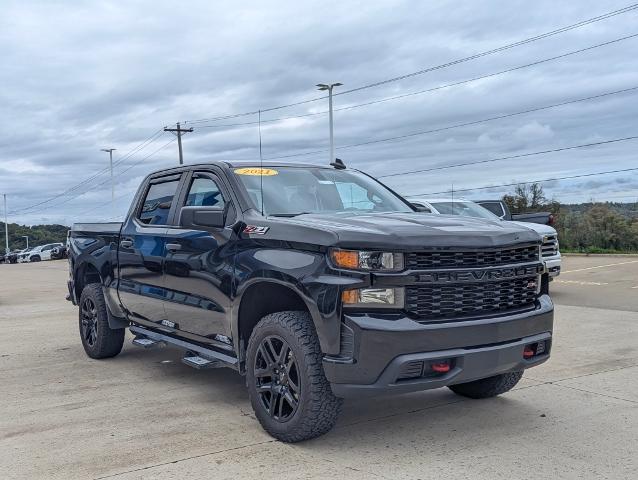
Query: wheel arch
[(260, 297), (87, 273)]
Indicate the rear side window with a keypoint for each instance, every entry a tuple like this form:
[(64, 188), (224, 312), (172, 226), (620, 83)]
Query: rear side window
[(204, 192), (495, 208), (157, 203)]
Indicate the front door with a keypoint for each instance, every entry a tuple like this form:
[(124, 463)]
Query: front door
[(141, 252), (198, 271)]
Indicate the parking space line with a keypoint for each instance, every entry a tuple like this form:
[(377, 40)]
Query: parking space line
[(577, 282), (598, 266)]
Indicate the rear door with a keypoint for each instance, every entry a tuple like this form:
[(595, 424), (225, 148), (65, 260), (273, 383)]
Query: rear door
[(141, 251), (199, 264)]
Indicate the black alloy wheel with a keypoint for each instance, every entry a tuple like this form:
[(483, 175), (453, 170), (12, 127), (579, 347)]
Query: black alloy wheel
[(89, 321), (277, 378)]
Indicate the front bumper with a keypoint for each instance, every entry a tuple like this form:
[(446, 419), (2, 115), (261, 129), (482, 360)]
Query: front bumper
[(384, 349), (552, 265)]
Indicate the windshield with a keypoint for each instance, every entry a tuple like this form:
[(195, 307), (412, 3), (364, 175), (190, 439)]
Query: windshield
[(464, 209), (290, 191)]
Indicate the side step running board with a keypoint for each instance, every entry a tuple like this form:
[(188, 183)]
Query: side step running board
[(142, 341), (193, 360), (197, 356)]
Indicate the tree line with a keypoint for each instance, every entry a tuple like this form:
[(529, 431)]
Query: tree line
[(590, 227), (38, 235)]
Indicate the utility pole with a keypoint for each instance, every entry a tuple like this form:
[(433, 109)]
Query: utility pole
[(27, 237), (110, 152), (329, 87), (179, 131), (6, 226)]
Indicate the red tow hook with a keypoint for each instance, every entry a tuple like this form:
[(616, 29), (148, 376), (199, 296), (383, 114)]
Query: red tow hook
[(528, 352), (441, 367)]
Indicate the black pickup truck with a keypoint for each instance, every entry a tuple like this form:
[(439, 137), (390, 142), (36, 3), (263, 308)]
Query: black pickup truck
[(316, 283)]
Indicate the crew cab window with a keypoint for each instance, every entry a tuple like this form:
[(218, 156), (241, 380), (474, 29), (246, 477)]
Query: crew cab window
[(157, 203), (204, 192), (494, 207)]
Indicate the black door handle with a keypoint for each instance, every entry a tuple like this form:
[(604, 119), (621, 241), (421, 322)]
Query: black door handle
[(171, 247), (126, 243)]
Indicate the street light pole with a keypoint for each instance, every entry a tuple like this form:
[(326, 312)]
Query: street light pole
[(6, 226), (110, 152), (329, 87)]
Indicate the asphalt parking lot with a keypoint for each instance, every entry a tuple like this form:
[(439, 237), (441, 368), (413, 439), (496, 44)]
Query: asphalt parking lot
[(144, 414)]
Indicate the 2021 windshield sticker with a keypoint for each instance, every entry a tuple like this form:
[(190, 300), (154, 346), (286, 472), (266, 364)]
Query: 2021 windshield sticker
[(256, 171)]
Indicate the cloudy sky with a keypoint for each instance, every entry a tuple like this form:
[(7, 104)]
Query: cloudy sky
[(76, 77)]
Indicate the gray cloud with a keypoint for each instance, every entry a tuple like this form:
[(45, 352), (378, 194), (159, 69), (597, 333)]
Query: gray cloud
[(78, 77)]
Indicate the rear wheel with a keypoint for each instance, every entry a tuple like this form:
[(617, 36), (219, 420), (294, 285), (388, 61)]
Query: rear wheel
[(488, 387), (98, 339), (288, 389)]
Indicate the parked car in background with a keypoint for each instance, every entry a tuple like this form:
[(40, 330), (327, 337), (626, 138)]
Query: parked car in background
[(12, 257), (502, 211), (467, 208), (59, 252), (23, 254), (37, 254)]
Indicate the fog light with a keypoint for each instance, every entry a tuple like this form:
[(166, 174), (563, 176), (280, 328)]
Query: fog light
[(373, 297), (528, 351)]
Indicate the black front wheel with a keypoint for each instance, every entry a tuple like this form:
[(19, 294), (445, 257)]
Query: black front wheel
[(98, 339), (288, 389)]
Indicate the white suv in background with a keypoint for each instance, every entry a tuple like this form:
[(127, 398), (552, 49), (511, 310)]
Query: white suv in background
[(37, 254), (467, 208)]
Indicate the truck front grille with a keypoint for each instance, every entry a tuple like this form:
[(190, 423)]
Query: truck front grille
[(550, 246), (481, 258), (442, 302)]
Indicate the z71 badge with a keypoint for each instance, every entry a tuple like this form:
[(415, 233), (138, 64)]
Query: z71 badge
[(254, 229)]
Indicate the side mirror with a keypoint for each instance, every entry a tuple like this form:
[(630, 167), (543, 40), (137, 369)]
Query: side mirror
[(197, 217)]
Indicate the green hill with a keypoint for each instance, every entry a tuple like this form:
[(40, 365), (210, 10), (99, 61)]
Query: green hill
[(38, 235)]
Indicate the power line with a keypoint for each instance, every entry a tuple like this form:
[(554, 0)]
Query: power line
[(511, 157), (545, 180), (582, 23), (458, 125), (429, 90), (496, 50), (119, 197), (131, 152), (108, 180)]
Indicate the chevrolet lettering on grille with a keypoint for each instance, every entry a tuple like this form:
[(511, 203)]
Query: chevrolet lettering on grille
[(483, 275)]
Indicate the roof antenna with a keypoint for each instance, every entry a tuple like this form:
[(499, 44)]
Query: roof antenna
[(261, 167), (338, 164)]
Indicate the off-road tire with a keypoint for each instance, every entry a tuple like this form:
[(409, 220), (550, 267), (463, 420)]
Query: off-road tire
[(35, 258), (318, 408), (107, 342), (488, 387)]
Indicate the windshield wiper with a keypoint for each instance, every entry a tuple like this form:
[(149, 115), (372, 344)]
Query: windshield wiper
[(287, 215)]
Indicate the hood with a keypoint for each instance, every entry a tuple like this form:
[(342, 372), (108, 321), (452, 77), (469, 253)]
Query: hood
[(537, 227), (399, 231)]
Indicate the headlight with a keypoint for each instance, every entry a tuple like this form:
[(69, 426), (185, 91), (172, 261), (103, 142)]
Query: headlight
[(374, 297), (367, 260)]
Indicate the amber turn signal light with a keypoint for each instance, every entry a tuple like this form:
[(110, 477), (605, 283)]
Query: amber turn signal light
[(346, 258)]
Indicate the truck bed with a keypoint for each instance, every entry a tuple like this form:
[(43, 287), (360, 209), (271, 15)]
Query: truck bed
[(102, 228)]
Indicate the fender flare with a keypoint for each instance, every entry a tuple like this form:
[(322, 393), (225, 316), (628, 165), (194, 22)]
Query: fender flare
[(278, 278)]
